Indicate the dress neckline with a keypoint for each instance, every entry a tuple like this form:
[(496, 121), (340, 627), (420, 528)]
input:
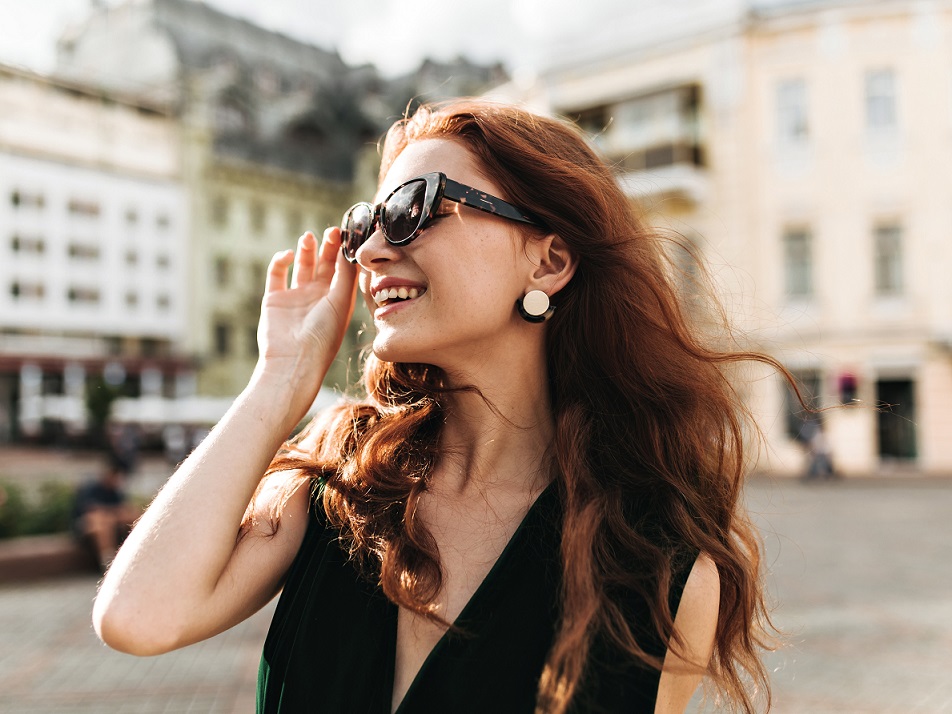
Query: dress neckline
[(465, 614)]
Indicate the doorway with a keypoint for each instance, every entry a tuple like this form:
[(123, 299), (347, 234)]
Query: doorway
[(896, 419)]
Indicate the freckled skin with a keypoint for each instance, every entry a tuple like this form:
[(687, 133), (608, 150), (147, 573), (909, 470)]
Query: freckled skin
[(471, 263)]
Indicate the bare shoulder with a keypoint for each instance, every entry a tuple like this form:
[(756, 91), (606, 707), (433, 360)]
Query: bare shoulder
[(284, 494), (702, 591), (278, 515), (271, 537), (696, 626)]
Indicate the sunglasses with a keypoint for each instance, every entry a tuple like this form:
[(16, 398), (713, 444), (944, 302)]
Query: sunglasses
[(410, 207)]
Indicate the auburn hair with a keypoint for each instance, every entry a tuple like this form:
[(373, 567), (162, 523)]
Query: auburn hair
[(643, 406)]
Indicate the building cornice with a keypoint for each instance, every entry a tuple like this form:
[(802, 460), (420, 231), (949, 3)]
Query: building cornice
[(89, 91), (106, 167)]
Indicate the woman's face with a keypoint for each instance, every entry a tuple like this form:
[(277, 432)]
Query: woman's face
[(467, 268)]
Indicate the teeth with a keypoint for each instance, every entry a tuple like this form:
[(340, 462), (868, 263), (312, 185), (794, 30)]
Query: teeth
[(404, 293)]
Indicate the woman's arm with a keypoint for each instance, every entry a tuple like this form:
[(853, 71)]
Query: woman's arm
[(696, 624), (182, 575)]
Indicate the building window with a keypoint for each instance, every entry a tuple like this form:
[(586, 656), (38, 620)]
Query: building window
[(295, 222), (132, 300), (83, 251), (162, 261), (222, 339), (162, 221), (87, 209), (23, 199), (258, 272), (798, 263), (53, 384), (83, 295), (792, 111), (222, 272), (163, 302), (132, 258), (257, 217), (27, 291), (648, 131), (888, 259), (881, 100), (132, 216), (31, 245), (219, 211)]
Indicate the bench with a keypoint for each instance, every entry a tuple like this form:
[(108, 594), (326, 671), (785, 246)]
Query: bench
[(43, 556)]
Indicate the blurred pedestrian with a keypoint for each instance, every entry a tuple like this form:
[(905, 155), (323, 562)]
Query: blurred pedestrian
[(819, 457), (102, 514)]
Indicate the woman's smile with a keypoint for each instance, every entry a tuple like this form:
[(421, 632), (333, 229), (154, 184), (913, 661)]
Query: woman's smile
[(388, 296)]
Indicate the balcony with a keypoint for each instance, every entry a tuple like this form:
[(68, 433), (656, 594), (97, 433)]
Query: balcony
[(686, 182), (653, 140)]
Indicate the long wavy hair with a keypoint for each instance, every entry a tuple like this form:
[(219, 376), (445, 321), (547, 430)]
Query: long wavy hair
[(643, 406)]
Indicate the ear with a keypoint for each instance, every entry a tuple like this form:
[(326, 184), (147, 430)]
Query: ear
[(554, 264)]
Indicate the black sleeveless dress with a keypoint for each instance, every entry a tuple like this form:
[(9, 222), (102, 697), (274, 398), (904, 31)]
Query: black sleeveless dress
[(332, 643)]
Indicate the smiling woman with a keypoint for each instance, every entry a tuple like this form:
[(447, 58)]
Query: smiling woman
[(534, 506)]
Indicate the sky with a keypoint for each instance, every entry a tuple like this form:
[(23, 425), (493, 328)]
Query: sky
[(392, 34)]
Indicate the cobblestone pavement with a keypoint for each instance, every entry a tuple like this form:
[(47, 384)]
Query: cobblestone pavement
[(860, 571), (862, 578), (51, 661)]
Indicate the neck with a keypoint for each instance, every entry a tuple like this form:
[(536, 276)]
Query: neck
[(499, 437)]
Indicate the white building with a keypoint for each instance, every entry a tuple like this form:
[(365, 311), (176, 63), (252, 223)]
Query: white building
[(805, 147), (93, 221)]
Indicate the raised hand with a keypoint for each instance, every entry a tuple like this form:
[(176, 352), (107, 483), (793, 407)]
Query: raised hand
[(302, 326)]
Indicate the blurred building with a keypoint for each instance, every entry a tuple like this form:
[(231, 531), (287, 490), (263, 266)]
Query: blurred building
[(147, 185), (271, 134), (278, 137), (92, 251), (805, 148)]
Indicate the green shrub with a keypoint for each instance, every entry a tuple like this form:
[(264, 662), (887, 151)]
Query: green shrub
[(48, 512), (13, 509), (51, 513)]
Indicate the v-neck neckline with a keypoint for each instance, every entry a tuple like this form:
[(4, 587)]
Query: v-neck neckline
[(464, 614)]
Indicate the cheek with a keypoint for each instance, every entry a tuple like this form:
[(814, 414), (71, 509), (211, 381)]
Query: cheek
[(363, 283)]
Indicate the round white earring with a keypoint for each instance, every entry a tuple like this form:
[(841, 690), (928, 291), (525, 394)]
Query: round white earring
[(535, 306)]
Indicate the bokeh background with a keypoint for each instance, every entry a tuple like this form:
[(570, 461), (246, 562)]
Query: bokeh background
[(155, 153)]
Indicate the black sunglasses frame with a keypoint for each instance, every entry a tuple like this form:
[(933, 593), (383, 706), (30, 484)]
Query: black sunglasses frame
[(438, 187)]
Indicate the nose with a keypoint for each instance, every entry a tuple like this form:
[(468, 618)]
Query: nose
[(375, 250)]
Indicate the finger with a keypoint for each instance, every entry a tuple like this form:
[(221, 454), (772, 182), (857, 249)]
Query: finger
[(278, 271), (330, 252), (305, 260)]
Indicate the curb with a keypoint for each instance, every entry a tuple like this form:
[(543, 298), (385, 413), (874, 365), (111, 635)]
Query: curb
[(44, 556)]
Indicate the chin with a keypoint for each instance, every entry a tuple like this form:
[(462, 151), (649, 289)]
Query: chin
[(405, 349), (388, 348)]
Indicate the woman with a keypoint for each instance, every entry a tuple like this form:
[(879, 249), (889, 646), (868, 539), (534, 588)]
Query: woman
[(534, 507)]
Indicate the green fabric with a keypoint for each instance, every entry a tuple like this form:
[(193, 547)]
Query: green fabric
[(332, 642)]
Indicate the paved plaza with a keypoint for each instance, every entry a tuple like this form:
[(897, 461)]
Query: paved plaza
[(860, 571)]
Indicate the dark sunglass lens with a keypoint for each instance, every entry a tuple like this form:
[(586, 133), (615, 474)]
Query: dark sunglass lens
[(403, 213), (356, 229)]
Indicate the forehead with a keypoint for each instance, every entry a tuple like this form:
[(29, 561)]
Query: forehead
[(429, 155)]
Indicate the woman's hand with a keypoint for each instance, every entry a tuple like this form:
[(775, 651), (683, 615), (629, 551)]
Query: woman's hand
[(302, 326)]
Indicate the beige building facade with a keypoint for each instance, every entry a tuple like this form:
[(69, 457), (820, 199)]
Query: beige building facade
[(243, 214), (806, 150)]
